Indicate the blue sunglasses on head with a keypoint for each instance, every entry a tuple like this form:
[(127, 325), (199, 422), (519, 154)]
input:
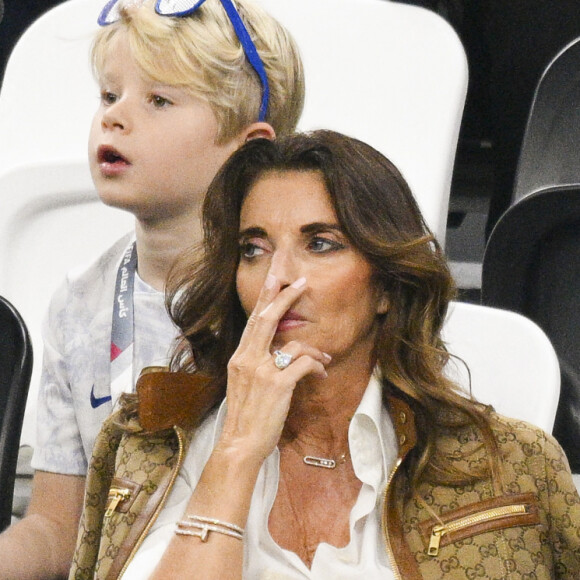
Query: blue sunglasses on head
[(180, 8)]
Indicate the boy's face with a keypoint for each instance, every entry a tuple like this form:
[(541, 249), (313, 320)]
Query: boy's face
[(152, 147)]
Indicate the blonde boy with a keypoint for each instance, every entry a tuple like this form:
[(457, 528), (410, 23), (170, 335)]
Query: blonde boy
[(179, 94)]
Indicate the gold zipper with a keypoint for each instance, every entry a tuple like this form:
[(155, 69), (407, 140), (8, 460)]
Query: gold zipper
[(385, 529), (116, 496), (161, 503), (485, 516)]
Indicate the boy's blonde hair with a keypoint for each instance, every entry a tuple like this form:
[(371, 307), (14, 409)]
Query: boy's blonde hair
[(202, 53)]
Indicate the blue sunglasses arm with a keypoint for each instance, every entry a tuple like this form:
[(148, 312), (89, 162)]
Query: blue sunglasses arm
[(103, 19), (251, 54), (245, 40)]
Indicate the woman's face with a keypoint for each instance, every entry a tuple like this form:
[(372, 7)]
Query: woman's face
[(288, 228)]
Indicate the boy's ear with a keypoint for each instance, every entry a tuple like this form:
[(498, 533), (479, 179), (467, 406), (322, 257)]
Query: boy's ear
[(259, 130)]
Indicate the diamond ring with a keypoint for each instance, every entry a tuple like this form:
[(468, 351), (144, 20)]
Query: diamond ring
[(282, 359)]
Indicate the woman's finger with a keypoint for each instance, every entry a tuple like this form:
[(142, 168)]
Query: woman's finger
[(271, 306), (295, 349), (302, 367)]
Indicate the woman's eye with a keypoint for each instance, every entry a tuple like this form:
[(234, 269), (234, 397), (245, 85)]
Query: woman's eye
[(321, 245), (249, 250)]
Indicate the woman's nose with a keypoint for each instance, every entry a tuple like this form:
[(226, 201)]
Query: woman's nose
[(285, 267)]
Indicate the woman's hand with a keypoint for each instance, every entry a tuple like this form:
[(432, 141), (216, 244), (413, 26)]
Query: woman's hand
[(259, 393)]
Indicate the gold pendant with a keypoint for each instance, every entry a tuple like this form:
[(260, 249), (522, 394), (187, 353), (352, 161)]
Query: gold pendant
[(320, 462)]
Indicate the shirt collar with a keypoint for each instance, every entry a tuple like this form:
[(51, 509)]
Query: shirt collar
[(371, 436)]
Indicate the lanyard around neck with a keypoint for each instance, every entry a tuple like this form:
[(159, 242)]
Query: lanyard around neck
[(122, 329)]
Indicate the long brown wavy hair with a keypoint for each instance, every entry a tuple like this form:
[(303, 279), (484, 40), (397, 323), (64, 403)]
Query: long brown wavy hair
[(379, 215)]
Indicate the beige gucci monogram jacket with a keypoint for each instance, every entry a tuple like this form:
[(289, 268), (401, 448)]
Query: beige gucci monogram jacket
[(522, 527)]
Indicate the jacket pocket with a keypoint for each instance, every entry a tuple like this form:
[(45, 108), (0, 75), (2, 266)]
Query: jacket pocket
[(486, 516)]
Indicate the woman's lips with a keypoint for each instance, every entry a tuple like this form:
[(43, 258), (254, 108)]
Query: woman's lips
[(111, 162), (289, 321)]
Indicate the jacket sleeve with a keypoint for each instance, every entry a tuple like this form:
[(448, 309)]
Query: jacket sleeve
[(563, 511)]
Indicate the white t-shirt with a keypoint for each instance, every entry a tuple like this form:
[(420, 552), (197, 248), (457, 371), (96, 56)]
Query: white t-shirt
[(76, 359), (373, 449)]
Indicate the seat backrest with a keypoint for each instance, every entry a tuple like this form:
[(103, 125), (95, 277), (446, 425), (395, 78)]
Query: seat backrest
[(532, 266), (553, 303), (390, 74), (548, 155), (512, 364), (48, 94), (15, 17), (15, 372)]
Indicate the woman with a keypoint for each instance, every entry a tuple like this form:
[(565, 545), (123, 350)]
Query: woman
[(341, 450)]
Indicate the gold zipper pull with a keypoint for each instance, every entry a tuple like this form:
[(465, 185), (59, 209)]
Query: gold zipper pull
[(435, 540), (116, 496)]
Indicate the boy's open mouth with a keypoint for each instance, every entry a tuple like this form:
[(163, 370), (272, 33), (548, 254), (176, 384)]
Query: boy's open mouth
[(106, 154)]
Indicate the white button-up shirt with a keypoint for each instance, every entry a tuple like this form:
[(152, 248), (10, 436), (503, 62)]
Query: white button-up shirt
[(373, 452)]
